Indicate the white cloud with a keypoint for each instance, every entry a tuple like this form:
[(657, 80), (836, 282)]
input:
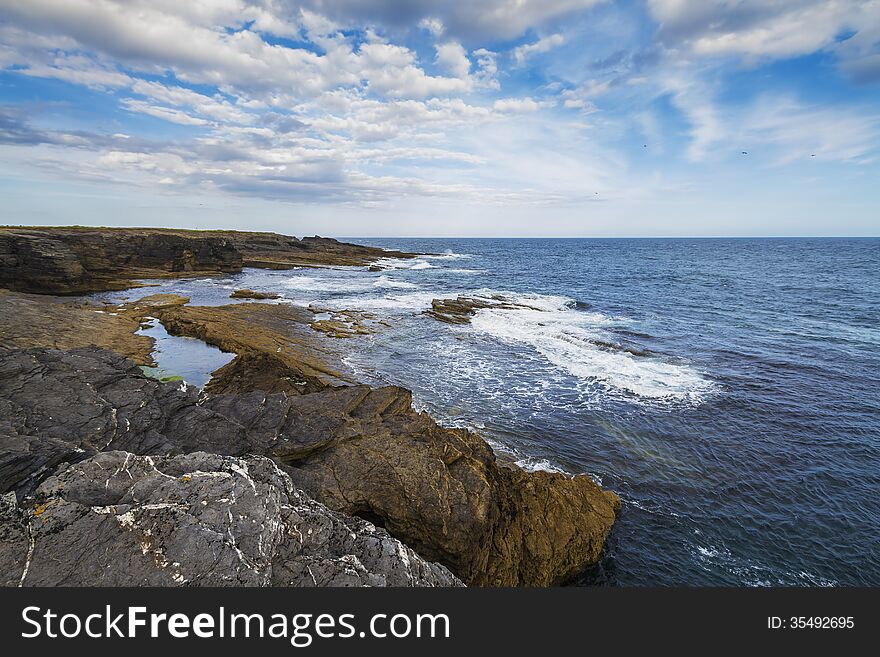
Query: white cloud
[(520, 105), (219, 109), (543, 45), (483, 21), (432, 25), (582, 97), (788, 129), (165, 113), (756, 29), (486, 74), (453, 59)]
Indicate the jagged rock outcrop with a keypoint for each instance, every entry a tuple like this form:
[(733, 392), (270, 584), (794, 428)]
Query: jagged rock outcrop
[(366, 452), (461, 309), (78, 260), (199, 519), (265, 372), (274, 251), (357, 450), (63, 406)]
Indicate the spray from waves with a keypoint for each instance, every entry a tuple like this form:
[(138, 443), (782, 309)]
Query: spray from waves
[(421, 262), (408, 302), (398, 263), (572, 340), (447, 255), (386, 282), (314, 284)]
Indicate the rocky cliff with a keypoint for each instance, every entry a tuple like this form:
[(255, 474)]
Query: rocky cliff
[(81, 260), (385, 492), (360, 451)]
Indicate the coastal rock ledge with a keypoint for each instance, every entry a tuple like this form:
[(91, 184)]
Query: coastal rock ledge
[(118, 519), (356, 450)]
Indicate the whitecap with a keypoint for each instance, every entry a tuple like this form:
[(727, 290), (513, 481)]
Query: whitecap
[(411, 301), (448, 255), (566, 338), (314, 284), (385, 281), (538, 465)]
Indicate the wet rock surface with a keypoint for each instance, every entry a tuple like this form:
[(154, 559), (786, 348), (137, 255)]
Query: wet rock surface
[(117, 519), (246, 293), (346, 323), (461, 309), (30, 320)]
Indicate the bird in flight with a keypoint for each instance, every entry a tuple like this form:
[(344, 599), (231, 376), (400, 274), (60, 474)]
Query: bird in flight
[(745, 152)]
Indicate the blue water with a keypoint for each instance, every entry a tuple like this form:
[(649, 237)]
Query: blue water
[(726, 389), (179, 356)]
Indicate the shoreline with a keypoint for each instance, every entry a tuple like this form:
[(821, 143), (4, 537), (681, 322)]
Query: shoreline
[(359, 450)]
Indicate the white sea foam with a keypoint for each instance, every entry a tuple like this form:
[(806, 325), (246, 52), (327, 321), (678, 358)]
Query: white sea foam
[(421, 262), (566, 338), (447, 255), (410, 301), (385, 281), (538, 465), (315, 284)]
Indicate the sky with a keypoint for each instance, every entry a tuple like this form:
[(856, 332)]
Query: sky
[(571, 118)]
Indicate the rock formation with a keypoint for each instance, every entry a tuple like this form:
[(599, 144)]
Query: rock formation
[(197, 519), (366, 452), (461, 309), (251, 294), (359, 451), (94, 452), (78, 260)]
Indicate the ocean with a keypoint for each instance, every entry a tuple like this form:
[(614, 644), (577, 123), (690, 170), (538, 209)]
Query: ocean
[(727, 389)]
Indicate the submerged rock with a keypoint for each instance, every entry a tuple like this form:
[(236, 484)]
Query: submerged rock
[(251, 294), (461, 309), (199, 519)]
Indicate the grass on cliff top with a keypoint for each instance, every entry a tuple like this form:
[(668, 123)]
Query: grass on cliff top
[(135, 229)]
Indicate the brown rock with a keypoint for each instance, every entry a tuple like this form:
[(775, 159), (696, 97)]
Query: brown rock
[(29, 320), (79, 260), (461, 309), (259, 371), (251, 294), (366, 452), (281, 331)]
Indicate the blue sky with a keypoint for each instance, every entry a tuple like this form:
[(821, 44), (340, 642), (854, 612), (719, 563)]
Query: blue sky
[(431, 117)]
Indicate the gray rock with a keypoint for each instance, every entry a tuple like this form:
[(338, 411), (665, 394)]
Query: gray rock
[(63, 406), (198, 519)]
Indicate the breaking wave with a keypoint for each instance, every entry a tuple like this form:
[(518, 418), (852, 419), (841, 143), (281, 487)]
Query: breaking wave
[(576, 341)]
